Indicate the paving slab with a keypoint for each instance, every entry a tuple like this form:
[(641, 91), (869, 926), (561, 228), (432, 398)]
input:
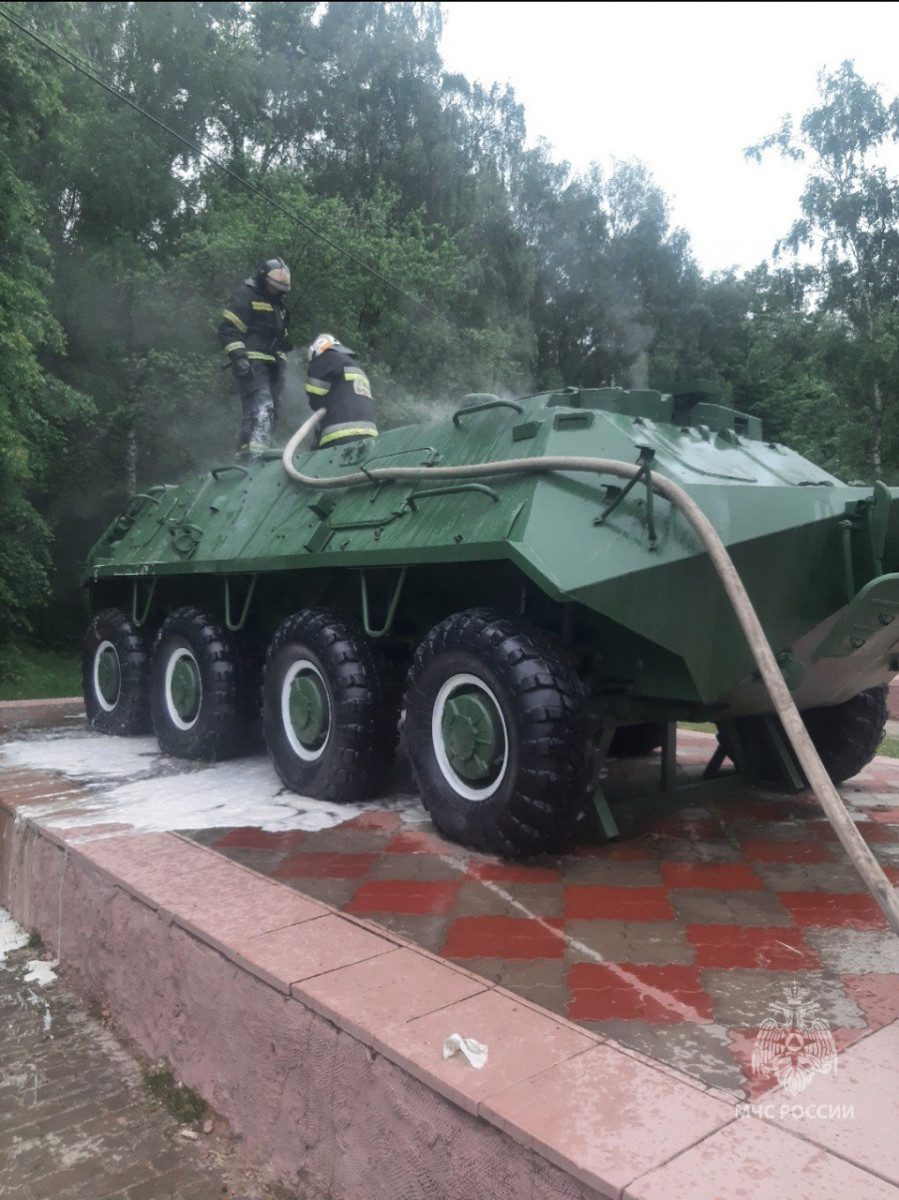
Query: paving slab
[(743, 1160), (645, 1115)]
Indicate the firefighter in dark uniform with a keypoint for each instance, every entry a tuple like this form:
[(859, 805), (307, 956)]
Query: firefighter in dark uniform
[(336, 382), (253, 333)]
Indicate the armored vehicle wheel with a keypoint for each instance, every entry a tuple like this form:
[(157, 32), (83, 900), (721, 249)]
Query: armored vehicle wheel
[(498, 734), (321, 710), (195, 689), (115, 675), (847, 735)]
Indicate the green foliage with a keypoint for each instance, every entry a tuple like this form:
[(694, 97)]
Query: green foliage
[(181, 1102), (30, 672), (421, 229), (34, 407), (849, 211)]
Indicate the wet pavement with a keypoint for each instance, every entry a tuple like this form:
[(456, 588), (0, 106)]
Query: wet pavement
[(680, 939), (80, 1120)]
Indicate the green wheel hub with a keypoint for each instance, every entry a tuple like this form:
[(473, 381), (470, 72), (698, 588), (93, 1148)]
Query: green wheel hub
[(185, 688), (309, 710), (472, 735), (108, 675)]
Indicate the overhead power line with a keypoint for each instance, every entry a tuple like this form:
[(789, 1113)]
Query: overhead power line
[(211, 158)]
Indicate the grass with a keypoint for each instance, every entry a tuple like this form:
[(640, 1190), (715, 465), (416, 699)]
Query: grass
[(888, 748), (181, 1102), (29, 673)]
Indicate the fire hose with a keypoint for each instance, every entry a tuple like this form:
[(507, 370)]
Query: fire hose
[(858, 851)]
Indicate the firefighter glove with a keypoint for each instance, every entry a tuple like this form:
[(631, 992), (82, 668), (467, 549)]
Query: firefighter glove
[(241, 365)]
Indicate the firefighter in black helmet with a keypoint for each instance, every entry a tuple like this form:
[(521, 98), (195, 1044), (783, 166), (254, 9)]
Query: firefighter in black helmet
[(253, 333), (337, 383)]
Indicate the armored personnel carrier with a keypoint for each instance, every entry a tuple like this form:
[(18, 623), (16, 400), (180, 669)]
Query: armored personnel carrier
[(496, 586)]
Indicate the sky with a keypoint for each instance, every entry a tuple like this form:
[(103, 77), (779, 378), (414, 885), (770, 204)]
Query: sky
[(684, 88)]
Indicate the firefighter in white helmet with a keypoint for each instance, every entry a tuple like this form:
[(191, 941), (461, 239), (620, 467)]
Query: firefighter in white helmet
[(253, 333), (336, 382)]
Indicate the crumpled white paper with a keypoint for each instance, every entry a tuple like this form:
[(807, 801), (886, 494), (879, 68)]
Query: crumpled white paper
[(39, 972), (473, 1051)]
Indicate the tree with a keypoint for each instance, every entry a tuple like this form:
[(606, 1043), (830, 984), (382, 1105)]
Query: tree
[(35, 407), (850, 211)]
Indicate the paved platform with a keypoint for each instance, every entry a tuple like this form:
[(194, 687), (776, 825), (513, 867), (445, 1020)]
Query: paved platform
[(620, 988)]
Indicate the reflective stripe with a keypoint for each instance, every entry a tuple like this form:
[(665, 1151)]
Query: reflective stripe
[(339, 431), (234, 346), (317, 389), (360, 383), (234, 319), (262, 357), (262, 306)]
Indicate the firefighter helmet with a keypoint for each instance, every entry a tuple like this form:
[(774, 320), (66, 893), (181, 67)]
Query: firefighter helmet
[(324, 341), (275, 273)]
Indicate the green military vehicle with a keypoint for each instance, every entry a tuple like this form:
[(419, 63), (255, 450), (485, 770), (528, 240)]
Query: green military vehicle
[(496, 587)]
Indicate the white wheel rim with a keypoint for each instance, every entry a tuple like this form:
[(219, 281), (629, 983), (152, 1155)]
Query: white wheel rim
[(458, 685), (182, 658), (104, 649), (298, 670)]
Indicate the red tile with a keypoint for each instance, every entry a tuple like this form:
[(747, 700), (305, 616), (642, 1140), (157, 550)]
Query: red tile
[(659, 995), (325, 866), (876, 995), (590, 902), (250, 838), (411, 842), (503, 937), (725, 877), (772, 949), (874, 831), (403, 896), (821, 829), (886, 816), (376, 822), (622, 853), (512, 873), (742, 1044), (830, 911), (787, 852)]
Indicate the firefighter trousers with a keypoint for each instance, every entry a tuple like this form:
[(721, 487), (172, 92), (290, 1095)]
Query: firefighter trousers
[(259, 397)]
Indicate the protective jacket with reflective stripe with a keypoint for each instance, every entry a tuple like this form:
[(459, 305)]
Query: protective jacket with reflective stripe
[(336, 382), (255, 324)]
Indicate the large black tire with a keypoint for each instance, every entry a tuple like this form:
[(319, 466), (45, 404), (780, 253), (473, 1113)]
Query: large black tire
[(498, 733), (847, 735), (195, 689), (321, 708), (636, 741), (115, 675)]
